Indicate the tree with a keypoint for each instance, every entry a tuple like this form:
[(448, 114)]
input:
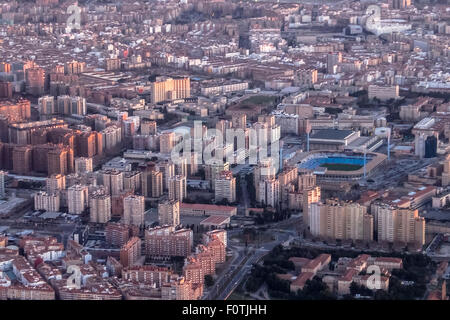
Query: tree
[(253, 284), (359, 289), (315, 289), (209, 281), (276, 284)]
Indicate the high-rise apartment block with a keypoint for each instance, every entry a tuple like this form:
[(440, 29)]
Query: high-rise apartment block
[(112, 137), (35, 81), (177, 188), (67, 105), (77, 198), (6, 89), (46, 201), (169, 213), (213, 169), (181, 167), (113, 181), (333, 60), (205, 259), (74, 67), (5, 67), (287, 179), (400, 225), (166, 142), (148, 127), (306, 180), (60, 160), (152, 183), (29, 132), (132, 180), (47, 106), (340, 220), (309, 196), (222, 126), (168, 169), (55, 183), (133, 210), (22, 159), (263, 171), (117, 203), (89, 144), (225, 187), (83, 165), (269, 192), (100, 207)]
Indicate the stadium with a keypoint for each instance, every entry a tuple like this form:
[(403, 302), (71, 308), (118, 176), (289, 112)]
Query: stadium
[(338, 166)]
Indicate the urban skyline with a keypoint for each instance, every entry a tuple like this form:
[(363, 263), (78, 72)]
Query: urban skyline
[(224, 150)]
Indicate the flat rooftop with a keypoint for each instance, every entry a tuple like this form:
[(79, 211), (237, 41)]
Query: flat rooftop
[(216, 220), (332, 134), (50, 215)]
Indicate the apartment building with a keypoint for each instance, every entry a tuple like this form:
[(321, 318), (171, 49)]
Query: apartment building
[(166, 142), (383, 93), (133, 210), (113, 181), (165, 242), (269, 192), (77, 198), (225, 187), (169, 213), (117, 234), (130, 252), (148, 127), (147, 274), (213, 169), (46, 201), (166, 89), (55, 183), (340, 220), (178, 288), (152, 184), (83, 165), (100, 207), (400, 225), (177, 188)]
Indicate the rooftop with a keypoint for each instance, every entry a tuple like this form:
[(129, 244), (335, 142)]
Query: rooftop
[(332, 134), (216, 220)]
